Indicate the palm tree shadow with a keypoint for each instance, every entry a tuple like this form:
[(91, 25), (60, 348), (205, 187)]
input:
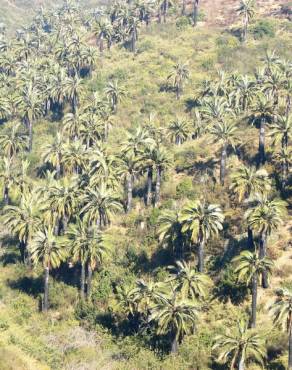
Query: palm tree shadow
[(30, 285)]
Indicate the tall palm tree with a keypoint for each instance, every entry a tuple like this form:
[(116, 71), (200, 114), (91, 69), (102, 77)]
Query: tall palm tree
[(196, 4), (249, 267), (24, 221), (7, 177), (162, 161), (282, 313), (115, 94), (179, 131), (14, 141), (263, 111), (189, 282), (202, 220), (176, 317), (103, 30), (264, 217), (247, 11), (246, 182), (225, 134), (74, 158), (179, 76), (239, 346), (46, 249), (73, 88)]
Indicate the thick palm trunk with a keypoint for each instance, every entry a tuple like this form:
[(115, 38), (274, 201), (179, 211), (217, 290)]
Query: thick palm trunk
[(165, 10), (82, 281), (250, 242), (22, 250), (201, 254), (6, 195), (223, 164), (262, 139), (129, 193), (262, 254), (196, 12), (46, 289), (254, 301), (89, 280), (245, 27), (290, 350), (157, 187), (149, 186), (174, 346), (241, 365)]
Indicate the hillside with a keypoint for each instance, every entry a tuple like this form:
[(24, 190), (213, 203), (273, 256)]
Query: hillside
[(130, 144)]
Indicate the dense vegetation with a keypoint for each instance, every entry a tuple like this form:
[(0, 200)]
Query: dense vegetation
[(146, 177)]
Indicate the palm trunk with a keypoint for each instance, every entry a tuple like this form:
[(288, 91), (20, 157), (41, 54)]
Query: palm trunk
[(290, 350), (165, 9), (250, 242), (183, 10), (46, 289), (22, 250), (262, 155), (254, 300), (158, 186), (245, 26), (223, 164), (196, 12), (201, 253), (89, 280), (30, 133), (129, 193), (262, 254), (241, 365), (149, 186), (174, 345), (6, 195), (58, 167), (82, 281)]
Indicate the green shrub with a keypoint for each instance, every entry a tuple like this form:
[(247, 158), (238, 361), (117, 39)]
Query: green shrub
[(185, 188), (62, 295), (263, 28), (146, 45), (183, 22)]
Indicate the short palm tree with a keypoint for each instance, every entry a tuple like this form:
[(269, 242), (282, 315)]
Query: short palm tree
[(13, 142), (53, 153), (239, 346), (7, 177), (178, 77), (115, 94), (225, 134), (175, 317), (247, 11), (202, 221), (179, 131), (249, 267), (282, 313), (190, 283), (46, 249), (147, 293), (281, 130)]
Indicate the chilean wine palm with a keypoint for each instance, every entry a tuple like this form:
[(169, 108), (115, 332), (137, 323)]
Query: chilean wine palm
[(14, 141), (178, 77), (247, 11)]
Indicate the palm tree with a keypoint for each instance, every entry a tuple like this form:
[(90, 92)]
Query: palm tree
[(265, 217), (247, 11), (246, 182), (203, 221), (195, 11), (225, 134), (282, 312), (281, 130), (179, 131), (190, 283), (263, 111), (115, 94), (99, 205), (46, 249), (7, 176), (170, 231), (103, 30), (129, 170), (240, 346), (24, 221), (249, 267), (162, 161), (73, 89), (133, 26), (74, 158), (147, 293), (179, 75), (53, 153), (176, 317), (14, 141)]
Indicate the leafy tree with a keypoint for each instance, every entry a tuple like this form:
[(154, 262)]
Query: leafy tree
[(202, 221), (225, 134), (249, 267), (13, 142), (115, 94), (103, 30), (46, 249), (179, 75), (179, 131), (282, 313), (239, 346), (175, 317), (190, 283), (54, 152), (247, 11)]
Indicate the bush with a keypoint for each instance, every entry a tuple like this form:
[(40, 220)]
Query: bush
[(264, 28), (183, 22), (185, 188)]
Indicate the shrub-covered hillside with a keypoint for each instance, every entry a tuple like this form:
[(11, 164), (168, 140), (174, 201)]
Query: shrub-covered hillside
[(145, 173)]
